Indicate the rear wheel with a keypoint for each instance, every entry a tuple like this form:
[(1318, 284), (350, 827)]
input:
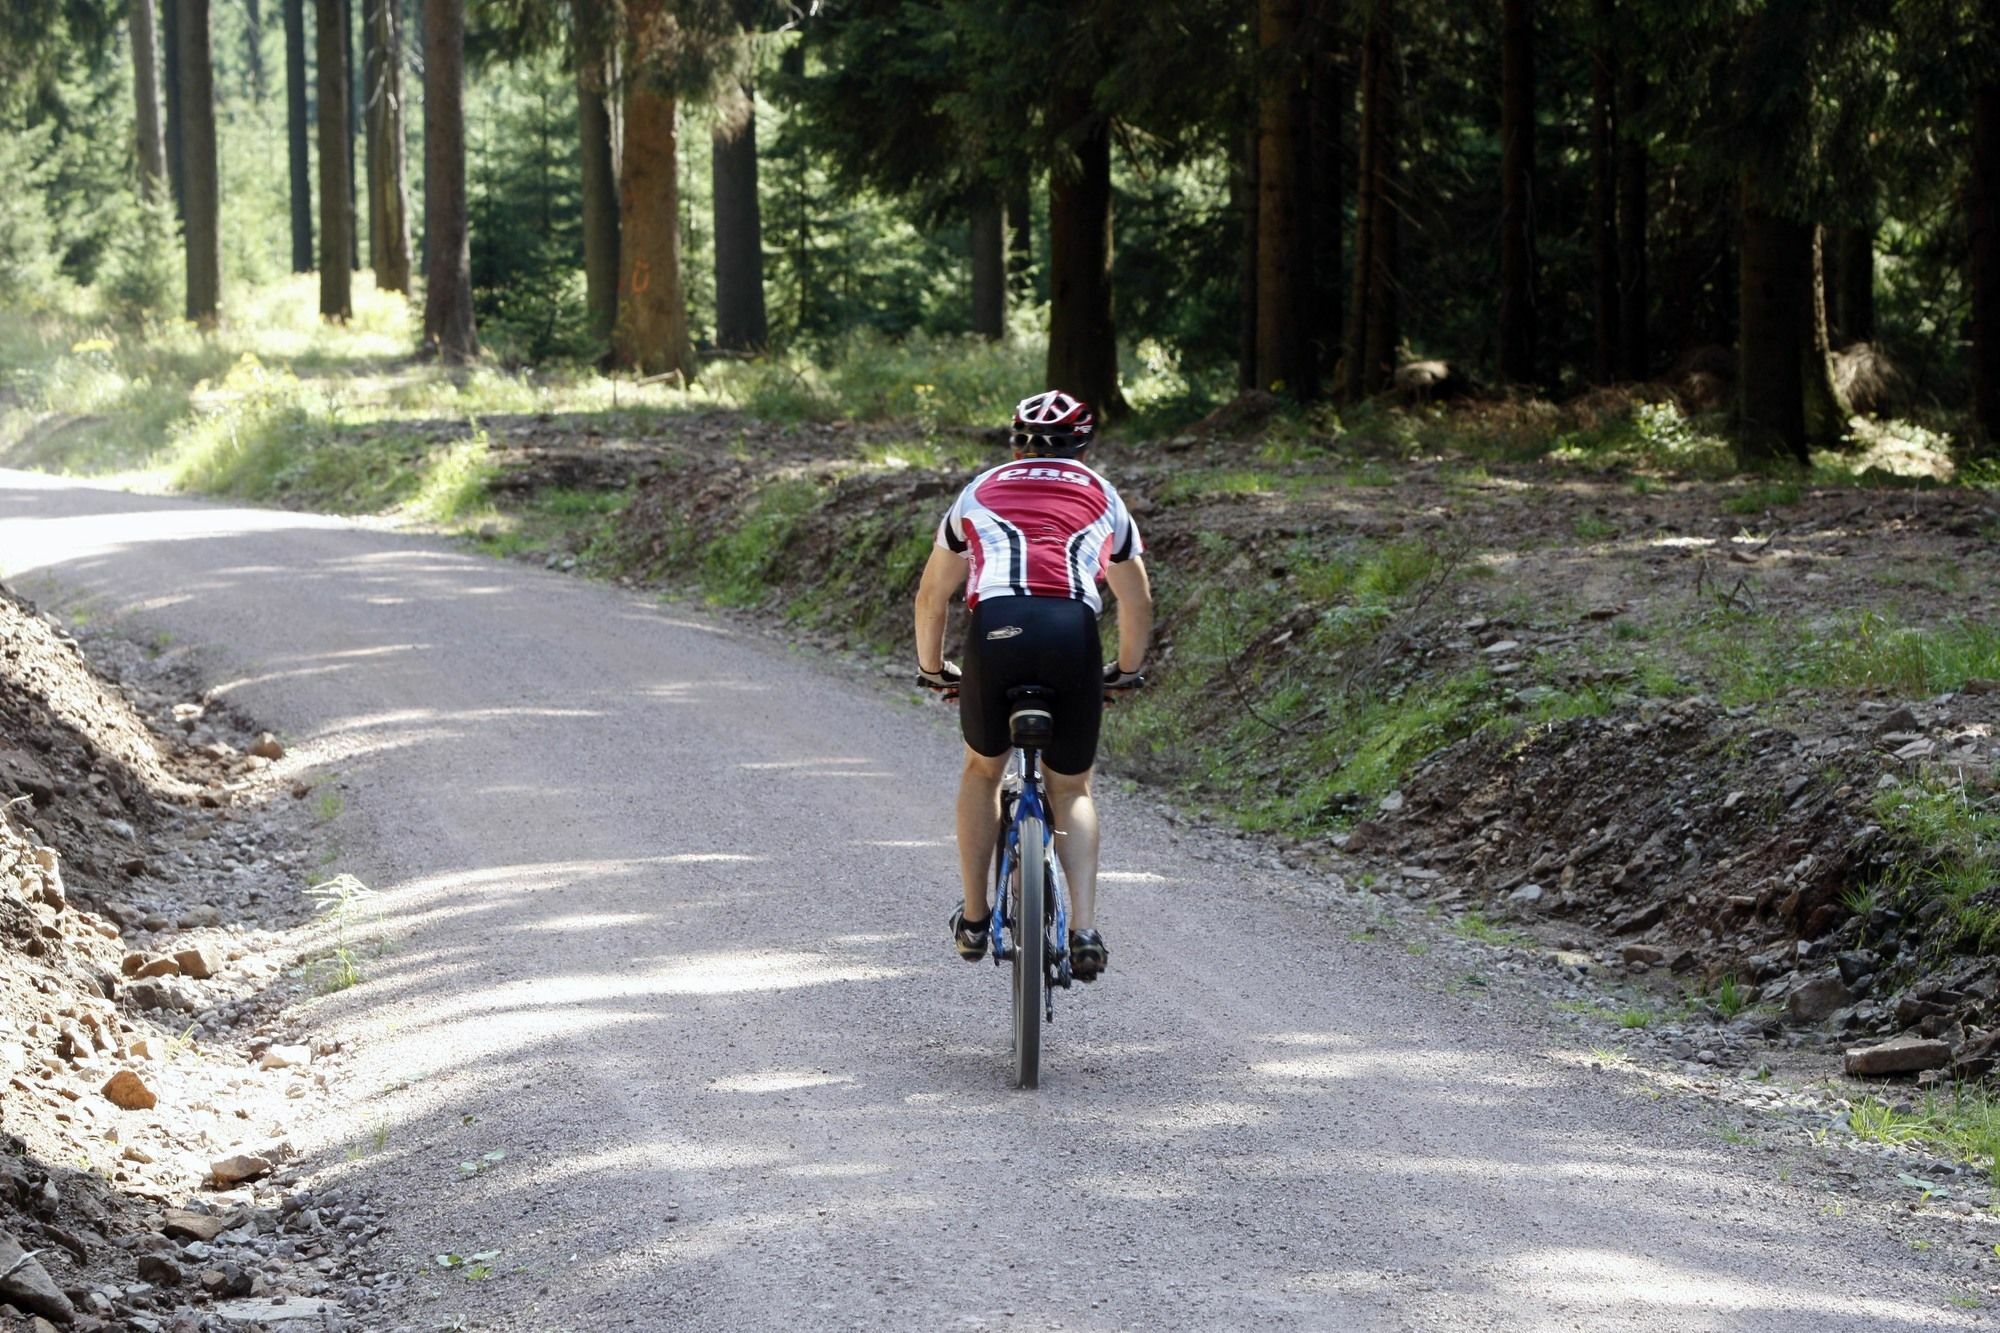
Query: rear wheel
[(1029, 900)]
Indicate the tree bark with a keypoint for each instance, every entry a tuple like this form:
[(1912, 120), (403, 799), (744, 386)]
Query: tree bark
[(1774, 298), (204, 196), (1284, 271), (388, 195), (253, 46), (1328, 93), (1634, 351), (1604, 360), (448, 329), (356, 97), (146, 102), (1243, 200), (296, 135), (740, 322), (1983, 209), (1517, 191), (652, 332), (1372, 333), (336, 283), (1021, 241), (989, 262), (1854, 284), (600, 175), (1083, 335), (170, 91), (1826, 411)]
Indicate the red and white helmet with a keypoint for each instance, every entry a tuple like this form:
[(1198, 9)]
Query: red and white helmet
[(1052, 421)]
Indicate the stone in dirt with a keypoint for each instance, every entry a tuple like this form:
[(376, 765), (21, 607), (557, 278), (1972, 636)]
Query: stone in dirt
[(183, 1224), (285, 1057), (201, 962), (238, 1168), (1904, 1055), (127, 1091), (158, 967), (27, 1285), (276, 1311), (1644, 953), (268, 746), (1815, 999), (159, 1270)]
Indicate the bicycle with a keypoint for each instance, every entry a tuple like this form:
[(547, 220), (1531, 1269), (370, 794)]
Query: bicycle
[(1029, 906)]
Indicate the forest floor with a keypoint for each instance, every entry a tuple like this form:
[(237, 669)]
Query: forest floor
[(1712, 755)]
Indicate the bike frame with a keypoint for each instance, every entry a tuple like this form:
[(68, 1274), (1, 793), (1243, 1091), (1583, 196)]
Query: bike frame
[(1029, 804)]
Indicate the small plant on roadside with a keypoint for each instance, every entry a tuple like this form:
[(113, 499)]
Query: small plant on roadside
[(1731, 997), (472, 1267), (339, 900), (330, 806), (1634, 1017), (1474, 926), (486, 1162)]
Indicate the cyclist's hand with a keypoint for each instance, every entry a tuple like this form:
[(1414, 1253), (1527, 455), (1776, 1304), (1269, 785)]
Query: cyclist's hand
[(1118, 681), (944, 680)]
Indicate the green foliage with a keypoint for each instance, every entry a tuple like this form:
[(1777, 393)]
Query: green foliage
[(1756, 658), (1951, 838), (1964, 1122)]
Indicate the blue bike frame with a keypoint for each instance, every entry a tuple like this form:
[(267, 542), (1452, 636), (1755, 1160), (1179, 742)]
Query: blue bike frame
[(1028, 804)]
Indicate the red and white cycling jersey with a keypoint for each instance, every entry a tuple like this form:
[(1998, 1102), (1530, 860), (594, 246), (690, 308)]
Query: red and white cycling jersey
[(1040, 527)]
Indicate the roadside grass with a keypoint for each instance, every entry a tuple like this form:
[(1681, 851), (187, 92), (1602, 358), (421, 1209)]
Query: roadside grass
[(1756, 658), (1952, 840), (1762, 496), (1963, 1124)]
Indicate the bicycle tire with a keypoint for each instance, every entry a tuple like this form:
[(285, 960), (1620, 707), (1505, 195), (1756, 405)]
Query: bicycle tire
[(1029, 936)]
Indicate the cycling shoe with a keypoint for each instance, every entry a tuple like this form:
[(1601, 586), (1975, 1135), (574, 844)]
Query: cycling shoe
[(968, 939), (1088, 954)]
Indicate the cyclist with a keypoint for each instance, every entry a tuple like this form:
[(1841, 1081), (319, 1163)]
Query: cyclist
[(1029, 541)]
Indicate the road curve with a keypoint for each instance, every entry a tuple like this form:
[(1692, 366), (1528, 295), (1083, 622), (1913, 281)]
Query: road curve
[(665, 910)]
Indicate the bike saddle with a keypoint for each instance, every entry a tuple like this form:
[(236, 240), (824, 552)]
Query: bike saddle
[(1029, 719)]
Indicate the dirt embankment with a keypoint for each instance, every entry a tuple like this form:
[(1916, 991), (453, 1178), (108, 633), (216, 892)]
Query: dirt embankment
[(1707, 734), (150, 859)]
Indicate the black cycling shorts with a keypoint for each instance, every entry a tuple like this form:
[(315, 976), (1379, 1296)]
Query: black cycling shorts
[(1046, 641)]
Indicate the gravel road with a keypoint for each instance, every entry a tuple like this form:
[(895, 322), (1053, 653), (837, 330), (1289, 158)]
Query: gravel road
[(663, 914)]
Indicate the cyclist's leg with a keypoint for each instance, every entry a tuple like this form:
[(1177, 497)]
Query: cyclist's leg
[(1076, 816), (978, 825)]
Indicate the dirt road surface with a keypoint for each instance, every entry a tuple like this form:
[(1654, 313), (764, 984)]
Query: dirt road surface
[(663, 913)]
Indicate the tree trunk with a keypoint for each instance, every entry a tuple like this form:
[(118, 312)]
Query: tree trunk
[(1083, 336), (1604, 360), (253, 46), (1372, 312), (1284, 269), (989, 262), (1854, 296), (740, 323), (1774, 298), (1983, 201), (1243, 200), (203, 225), (1327, 95), (295, 135), (146, 101), (1517, 191), (1826, 411), (1634, 352), (1021, 242), (652, 332), (448, 330), (600, 175), (336, 284), (356, 97), (388, 196), (170, 91)]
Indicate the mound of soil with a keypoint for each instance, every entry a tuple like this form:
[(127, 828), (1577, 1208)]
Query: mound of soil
[(142, 862)]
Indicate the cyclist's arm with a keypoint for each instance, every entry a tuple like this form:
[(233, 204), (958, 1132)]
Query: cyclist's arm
[(944, 574), (1135, 609)]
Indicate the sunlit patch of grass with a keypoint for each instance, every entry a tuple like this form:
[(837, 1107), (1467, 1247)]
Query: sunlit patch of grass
[(1963, 1123), (1758, 658), (1635, 1017), (1952, 842), (1473, 925)]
